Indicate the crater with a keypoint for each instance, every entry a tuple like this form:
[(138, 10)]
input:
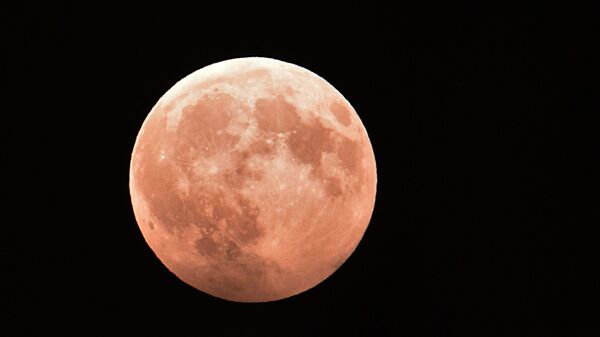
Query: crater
[(341, 113)]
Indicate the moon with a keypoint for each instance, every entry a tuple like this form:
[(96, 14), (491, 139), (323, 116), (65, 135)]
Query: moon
[(252, 179)]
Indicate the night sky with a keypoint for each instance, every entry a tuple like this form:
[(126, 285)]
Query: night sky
[(480, 122)]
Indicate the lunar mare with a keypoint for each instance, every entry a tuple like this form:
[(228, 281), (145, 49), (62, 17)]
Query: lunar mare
[(252, 179)]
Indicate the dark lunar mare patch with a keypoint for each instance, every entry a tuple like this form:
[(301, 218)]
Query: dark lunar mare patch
[(341, 113)]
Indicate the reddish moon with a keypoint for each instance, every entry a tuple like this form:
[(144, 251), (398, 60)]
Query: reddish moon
[(252, 179)]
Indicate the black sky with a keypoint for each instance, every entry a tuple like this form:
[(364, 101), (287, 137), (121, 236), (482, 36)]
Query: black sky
[(479, 121)]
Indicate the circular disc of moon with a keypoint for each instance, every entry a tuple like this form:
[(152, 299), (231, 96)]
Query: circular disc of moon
[(252, 179)]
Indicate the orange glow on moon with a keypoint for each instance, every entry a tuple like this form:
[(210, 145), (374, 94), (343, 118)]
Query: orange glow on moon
[(252, 179)]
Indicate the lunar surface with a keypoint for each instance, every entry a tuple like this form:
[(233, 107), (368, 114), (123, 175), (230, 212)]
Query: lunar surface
[(252, 179)]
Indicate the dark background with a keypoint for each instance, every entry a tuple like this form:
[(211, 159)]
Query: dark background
[(479, 121)]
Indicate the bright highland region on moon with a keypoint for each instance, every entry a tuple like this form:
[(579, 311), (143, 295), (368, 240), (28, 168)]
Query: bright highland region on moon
[(252, 179)]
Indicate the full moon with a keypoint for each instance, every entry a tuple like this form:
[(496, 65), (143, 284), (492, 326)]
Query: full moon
[(252, 179)]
